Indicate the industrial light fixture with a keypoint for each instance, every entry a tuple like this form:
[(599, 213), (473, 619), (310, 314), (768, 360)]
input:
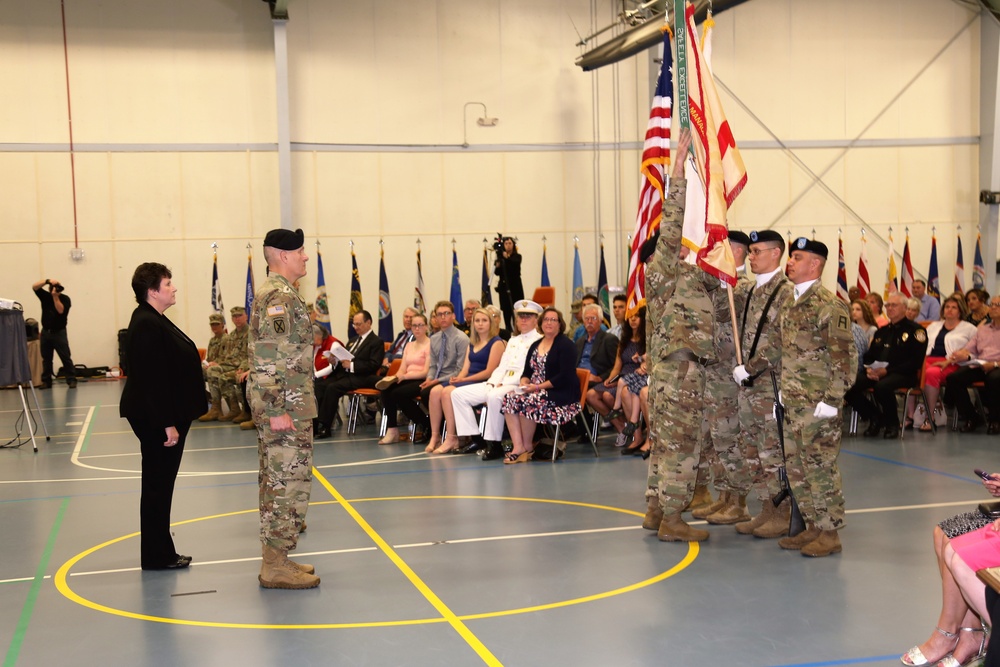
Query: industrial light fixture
[(483, 121)]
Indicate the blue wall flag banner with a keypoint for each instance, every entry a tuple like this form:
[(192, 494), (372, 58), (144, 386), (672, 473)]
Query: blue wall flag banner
[(356, 303), (321, 306), (485, 296), (248, 300), (577, 274), (603, 296), (384, 305), (545, 269), (933, 283), (978, 268), (419, 304), (456, 289), (216, 288)]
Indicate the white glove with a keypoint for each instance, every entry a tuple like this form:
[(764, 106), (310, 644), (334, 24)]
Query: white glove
[(740, 374), (824, 411)]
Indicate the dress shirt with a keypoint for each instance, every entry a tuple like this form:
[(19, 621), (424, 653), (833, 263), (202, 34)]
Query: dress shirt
[(985, 344)]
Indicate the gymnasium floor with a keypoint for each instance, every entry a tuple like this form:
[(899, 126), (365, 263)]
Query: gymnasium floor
[(449, 560)]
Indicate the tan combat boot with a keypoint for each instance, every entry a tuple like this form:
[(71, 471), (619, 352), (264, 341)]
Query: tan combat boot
[(777, 524), (212, 414), (766, 512), (827, 543), (654, 515), (735, 511), (242, 417), (276, 571), (805, 537), (230, 416), (701, 499), (674, 529), (248, 425), (713, 508)]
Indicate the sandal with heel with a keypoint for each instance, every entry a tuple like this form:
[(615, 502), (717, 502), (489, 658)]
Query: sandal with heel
[(915, 657), (975, 659)]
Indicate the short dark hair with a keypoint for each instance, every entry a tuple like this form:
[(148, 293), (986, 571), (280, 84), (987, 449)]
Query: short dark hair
[(553, 309), (592, 297), (619, 297), (918, 280), (148, 276), (365, 315)]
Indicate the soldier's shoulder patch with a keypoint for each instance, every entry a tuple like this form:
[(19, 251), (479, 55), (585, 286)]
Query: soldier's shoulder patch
[(921, 336), (275, 310), (843, 323)]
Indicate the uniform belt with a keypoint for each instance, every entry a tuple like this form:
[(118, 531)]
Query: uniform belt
[(686, 354)]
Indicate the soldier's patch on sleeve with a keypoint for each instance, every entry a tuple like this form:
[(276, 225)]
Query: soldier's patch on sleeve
[(273, 311), (279, 326), (842, 323), (921, 336)]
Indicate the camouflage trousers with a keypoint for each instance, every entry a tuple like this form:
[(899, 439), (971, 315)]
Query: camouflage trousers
[(222, 385), (812, 447), (759, 436), (676, 403), (285, 480), (721, 456)]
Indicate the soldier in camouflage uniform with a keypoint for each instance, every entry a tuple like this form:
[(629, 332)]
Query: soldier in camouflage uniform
[(283, 407), (722, 457), (680, 324), (238, 354), (818, 362), (214, 353), (758, 431)]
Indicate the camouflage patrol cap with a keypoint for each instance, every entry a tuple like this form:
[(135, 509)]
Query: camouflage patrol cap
[(239, 310), (216, 318), (736, 236), (766, 235), (815, 247), (285, 239)]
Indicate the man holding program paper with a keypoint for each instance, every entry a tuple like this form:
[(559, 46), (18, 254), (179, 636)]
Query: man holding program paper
[(893, 361), (354, 367), (979, 360)]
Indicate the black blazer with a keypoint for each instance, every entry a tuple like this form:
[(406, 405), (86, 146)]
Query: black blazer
[(367, 358), (164, 386), (603, 353), (560, 370)]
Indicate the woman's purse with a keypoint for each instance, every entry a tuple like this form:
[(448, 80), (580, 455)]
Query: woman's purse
[(990, 510)]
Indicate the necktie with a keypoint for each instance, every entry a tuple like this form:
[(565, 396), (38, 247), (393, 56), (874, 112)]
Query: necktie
[(354, 344), (440, 363)]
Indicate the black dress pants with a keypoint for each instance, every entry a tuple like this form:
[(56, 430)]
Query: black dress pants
[(957, 391), (884, 410), (55, 341), (159, 472), (400, 396)]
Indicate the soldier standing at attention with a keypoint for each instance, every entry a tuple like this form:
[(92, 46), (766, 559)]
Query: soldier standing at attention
[(760, 341), (722, 456), (680, 329), (818, 364), (283, 407)]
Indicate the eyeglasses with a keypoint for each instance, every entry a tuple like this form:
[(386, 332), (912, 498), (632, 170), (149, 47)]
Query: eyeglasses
[(591, 318), (418, 324), (444, 313), (551, 320), (757, 251), (994, 304)]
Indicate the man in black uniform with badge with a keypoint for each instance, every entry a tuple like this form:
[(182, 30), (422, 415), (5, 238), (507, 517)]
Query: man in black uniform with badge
[(55, 310), (902, 345)]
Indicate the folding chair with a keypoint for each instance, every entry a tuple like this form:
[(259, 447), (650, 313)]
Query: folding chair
[(355, 397), (584, 376)]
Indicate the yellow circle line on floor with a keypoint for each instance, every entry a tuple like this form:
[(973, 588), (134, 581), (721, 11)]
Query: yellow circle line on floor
[(63, 587)]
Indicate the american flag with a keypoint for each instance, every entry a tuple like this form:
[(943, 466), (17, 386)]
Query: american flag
[(841, 272), (864, 284), (655, 160)]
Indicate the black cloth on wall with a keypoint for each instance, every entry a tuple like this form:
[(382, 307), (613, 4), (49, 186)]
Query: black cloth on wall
[(14, 368)]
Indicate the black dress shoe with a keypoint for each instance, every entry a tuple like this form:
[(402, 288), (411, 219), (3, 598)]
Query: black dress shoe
[(476, 444), (891, 433), (322, 431), (71, 383), (993, 428), (423, 437), (873, 430), (177, 563), (493, 450), (969, 425)]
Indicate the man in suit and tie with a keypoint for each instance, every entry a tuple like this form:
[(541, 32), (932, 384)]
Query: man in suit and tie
[(348, 375)]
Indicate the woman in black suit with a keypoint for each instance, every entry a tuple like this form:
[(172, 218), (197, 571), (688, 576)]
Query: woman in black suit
[(164, 392), (508, 268)]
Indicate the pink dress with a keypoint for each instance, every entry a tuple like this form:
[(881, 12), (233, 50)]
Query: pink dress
[(979, 549)]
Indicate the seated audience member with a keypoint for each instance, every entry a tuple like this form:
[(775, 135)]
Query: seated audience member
[(581, 330), (505, 378), (901, 344), (631, 387), (361, 372), (549, 391), (497, 314), (861, 342), (618, 306), (944, 338), (861, 314), (875, 303), (395, 350), (958, 636), (222, 376), (323, 340), (930, 308), (977, 301), (596, 349), (470, 307), (448, 349), (984, 347), (605, 398), (400, 390), (912, 309), (484, 352)]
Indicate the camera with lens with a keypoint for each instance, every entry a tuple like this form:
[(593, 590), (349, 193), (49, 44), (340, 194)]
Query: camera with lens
[(58, 288), (498, 243)]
